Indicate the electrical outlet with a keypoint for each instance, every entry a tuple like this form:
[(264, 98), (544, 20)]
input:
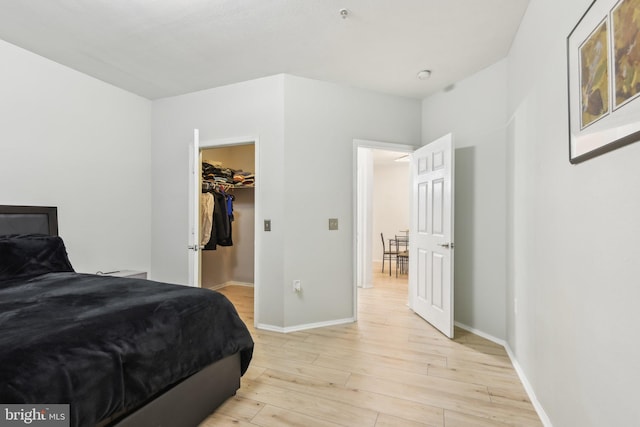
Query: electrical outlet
[(333, 223), (296, 286)]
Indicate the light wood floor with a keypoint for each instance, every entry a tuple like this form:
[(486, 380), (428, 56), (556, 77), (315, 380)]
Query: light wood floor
[(391, 368)]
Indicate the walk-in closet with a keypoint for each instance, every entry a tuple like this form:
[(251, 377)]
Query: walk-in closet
[(227, 213)]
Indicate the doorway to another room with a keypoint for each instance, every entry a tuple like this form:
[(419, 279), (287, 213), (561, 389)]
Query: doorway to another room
[(382, 212), (390, 208), (430, 258)]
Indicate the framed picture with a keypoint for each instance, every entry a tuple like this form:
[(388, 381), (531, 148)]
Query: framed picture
[(603, 61)]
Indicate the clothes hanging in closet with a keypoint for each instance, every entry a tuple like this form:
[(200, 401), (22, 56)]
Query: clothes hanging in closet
[(221, 230), (206, 217)]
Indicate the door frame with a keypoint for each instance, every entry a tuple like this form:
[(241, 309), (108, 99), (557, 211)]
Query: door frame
[(257, 245), (377, 145)]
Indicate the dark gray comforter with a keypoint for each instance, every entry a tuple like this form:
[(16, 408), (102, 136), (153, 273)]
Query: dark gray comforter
[(106, 344)]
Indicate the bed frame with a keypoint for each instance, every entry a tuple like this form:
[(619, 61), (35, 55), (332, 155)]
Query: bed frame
[(186, 403)]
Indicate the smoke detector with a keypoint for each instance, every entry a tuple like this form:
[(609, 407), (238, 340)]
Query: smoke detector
[(424, 74)]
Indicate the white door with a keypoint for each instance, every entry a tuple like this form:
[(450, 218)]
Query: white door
[(431, 234), (194, 210)]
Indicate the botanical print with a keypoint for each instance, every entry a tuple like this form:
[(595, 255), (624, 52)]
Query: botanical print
[(594, 75), (626, 48)]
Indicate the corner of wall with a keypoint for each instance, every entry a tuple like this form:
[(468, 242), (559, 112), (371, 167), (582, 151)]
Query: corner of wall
[(514, 361)]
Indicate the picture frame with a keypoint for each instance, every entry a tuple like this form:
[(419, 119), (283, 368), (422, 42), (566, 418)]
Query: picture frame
[(603, 73)]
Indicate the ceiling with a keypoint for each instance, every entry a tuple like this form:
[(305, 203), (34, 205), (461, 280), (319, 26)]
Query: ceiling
[(160, 48), (382, 157)]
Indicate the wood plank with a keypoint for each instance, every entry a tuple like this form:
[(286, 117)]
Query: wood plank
[(425, 389), (221, 420), (240, 408), (391, 368), (310, 370), (385, 420), (309, 404), (472, 376), (360, 398), (272, 416), (457, 419), (454, 396)]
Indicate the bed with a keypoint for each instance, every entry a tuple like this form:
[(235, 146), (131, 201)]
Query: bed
[(120, 351)]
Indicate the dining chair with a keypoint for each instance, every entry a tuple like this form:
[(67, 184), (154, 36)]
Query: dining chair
[(402, 255), (402, 262), (402, 243), (391, 254)]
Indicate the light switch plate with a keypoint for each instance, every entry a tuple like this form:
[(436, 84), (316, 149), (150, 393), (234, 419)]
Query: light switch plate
[(267, 225), (333, 223)]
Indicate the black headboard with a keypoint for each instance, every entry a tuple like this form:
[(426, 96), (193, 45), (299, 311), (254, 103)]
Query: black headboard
[(28, 220)]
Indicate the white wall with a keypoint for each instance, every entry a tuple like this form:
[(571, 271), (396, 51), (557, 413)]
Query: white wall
[(474, 110), (573, 235), (570, 232), (252, 109), (71, 141), (306, 130), (321, 122), (391, 198)]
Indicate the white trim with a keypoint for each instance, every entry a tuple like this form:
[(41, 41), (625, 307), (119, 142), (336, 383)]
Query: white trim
[(223, 142), (529, 389), (304, 327), (270, 328), (194, 254), (390, 146), (523, 378), (481, 334), (364, 221), (235, 283), (230, 283)]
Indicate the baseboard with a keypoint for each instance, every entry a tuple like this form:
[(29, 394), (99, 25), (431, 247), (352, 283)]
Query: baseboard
[(234, 283), (304, 327), (527, 387), (231, 283), (481, 334), (523, 378)]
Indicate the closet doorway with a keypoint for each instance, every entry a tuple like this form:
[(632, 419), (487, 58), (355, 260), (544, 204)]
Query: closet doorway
[(227, 175)]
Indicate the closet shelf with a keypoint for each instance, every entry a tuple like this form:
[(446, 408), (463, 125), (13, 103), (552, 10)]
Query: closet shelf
[(217, 176), (212, 185)]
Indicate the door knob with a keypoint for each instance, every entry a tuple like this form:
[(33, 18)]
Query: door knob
[(446, 245), (193, 247)]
